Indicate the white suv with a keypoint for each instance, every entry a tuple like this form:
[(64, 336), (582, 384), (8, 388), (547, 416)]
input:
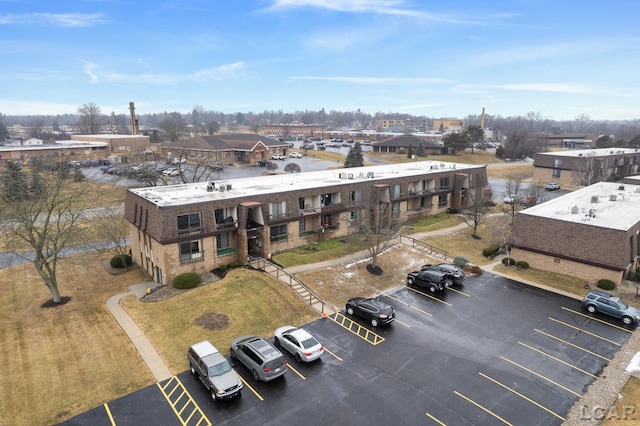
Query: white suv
[(278, 157)]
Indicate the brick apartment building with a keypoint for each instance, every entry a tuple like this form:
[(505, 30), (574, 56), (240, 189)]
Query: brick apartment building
[(586, 166), (198, 227), (591, 233)]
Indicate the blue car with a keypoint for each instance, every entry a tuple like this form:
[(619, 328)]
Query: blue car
[(599, 301)]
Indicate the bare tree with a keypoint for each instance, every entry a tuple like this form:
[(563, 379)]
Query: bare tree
[(174, 125), (292, 168), (371, 211), (37, 128), (590, 170), (90, 119), (116, 124), (46, 222), (476, 211), (581, 121), (272, 167), (112, 227), (513, 195)]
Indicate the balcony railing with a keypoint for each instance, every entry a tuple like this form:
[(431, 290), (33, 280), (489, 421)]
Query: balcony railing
[(192, 257), (190, 232), (313, 210), (253, 233), (227, 225)]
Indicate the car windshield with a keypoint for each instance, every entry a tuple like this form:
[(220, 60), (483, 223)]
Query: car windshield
[(218, 369), (309, 343)]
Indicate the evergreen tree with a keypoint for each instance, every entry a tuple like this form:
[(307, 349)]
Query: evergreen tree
[(420, 152), (78, 175), (14, 183), (354, 157), (410, 152)]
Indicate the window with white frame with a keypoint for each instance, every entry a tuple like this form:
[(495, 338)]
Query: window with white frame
[(278, 209), (190, 250)]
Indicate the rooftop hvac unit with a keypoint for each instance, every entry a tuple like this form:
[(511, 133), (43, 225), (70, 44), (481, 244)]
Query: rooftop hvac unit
[(223, 187), (228, 187), (370, 175), (342, 175), (350, 175), (594, 199), (211, 186), (361, 175), (592, 212), (613, 197), (575, 210)]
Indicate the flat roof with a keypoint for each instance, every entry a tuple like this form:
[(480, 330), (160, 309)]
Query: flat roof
[(174, 195), (603, 204), (597, 152), (67, 144)]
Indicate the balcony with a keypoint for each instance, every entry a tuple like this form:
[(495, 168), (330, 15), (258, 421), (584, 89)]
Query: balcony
[(313, 210), (227, 225), (192, 257), (191, 232)]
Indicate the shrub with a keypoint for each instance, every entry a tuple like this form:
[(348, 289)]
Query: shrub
[(186, 280), (606, 284), (234, 264), (474, 269), (490, 251), (508, 260), (522, 264), (121, 261), (460, 261)]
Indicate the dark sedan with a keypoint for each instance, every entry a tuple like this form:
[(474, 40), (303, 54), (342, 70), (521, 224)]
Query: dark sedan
[(454, 274), (373, 310)]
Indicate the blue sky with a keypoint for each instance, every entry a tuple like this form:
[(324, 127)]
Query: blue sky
[(560, 58)]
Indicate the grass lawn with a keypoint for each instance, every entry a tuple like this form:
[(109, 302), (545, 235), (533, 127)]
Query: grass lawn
[(323, 250), (254, 303), (58, 362)]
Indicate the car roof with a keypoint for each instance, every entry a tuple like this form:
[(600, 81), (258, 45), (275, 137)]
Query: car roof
[(204, 348), (299, 333)]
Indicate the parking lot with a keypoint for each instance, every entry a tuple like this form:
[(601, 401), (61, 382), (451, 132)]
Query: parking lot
[(493, 351)]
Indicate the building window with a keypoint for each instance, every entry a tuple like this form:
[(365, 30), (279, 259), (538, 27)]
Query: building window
[(444, 184), (557, 162), (556, 173), (355, 197), (395, 207), (394, 191), (225, 218), (277, 210), (278, 233), (189, 224), (222, 240), (302, 226), (442, 200), (190, 251), (354, 217)]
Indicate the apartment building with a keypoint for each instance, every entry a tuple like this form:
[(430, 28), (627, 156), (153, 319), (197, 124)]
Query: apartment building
[(197, 227), (591, 233), (586, 166)]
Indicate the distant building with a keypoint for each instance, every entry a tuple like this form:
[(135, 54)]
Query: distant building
[(388, 123), (432, 144), (565, 140), (244, 149), (592, 233), (294, 130), (448, 124), (584, 167), (198, 227), (117, 143)]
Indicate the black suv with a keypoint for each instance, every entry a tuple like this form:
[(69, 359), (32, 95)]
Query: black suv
[(454, 274), (430, 279), (599, 301)]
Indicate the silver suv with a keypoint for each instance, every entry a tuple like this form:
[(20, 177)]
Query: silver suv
[(214, 371), (263, 360), (599, 301)]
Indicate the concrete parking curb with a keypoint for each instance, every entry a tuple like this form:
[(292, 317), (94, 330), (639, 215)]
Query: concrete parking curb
[(144, 347)]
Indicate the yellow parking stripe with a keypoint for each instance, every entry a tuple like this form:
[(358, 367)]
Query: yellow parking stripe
[(559, 360), (435, 420), (296, 371), (571, 344), (332, 354), (250, 388), (596, 319), (428, 295), (106, 408), (482, 408), (408, 305), (458, 291), (540, 375), (522, 396), (179, 394), (585, 331), (355, 328)]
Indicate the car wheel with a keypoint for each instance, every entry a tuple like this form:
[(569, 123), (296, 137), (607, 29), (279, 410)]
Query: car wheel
[(433, 288), (350, 310), (233, 353), (448, 282), (276, 341), (255, 375), (409, 281), (298, 357), (374, 322), (213, 394), (591, 308), (193, 370), (627, 320)]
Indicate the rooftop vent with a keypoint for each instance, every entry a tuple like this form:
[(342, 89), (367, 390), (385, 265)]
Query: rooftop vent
[(621, 188), (342, 175), (613, 197), (370, 175), (594, 199), (211, 186), (592, 212), (575, 210)]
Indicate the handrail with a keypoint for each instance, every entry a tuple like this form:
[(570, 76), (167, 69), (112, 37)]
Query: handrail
[(423, 246)]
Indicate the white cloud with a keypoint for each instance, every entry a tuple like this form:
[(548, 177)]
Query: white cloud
[(573, 88), (56, 19), (13, 107), (218, 73), (89, 69)]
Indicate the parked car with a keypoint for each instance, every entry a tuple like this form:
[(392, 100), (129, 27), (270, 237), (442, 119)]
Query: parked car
[(432, 280), (263, 163), (214, 371), (171, 172), (295, 155), (372, 309), (179, 160), (452, 272), (299, 343), (278, 157), (263, 360), (216, 165), (552, 186), (599, 301)]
